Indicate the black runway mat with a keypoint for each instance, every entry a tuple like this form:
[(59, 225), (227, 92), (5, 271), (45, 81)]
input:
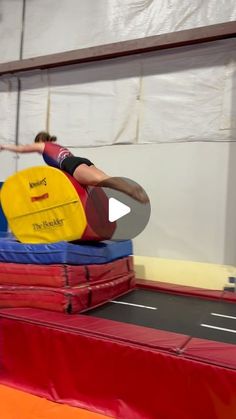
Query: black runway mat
[(192, 316)]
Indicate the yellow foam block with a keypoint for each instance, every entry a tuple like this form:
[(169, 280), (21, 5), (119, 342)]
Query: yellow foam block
[(42, 205)]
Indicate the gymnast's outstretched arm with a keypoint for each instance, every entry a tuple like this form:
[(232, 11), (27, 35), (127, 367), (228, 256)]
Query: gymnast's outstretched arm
[(27, 148)]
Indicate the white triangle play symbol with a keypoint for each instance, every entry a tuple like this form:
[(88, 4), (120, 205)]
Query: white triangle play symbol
[(117, 210)]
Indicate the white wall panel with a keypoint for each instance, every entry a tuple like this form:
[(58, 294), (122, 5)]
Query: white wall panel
[(187, 185)]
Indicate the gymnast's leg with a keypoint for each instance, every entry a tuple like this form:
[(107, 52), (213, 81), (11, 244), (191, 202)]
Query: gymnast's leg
[(92, 176)]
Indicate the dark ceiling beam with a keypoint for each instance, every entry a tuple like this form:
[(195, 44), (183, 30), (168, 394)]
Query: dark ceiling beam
[(124, 48)]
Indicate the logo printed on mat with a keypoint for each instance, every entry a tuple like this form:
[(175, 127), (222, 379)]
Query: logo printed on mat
[(57, 222), (38, 183)]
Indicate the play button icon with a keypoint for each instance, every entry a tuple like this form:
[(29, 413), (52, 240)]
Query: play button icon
[(117, 209)]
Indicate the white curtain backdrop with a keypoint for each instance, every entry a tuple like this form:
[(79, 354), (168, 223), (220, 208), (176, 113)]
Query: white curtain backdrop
[(61, 25), (169, 96), (10, 29), (8, 103)]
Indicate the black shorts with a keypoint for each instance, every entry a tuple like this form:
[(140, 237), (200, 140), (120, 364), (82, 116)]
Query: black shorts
[(69, 164)]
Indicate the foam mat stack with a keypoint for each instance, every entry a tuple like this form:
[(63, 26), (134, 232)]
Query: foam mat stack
[(63, 276)]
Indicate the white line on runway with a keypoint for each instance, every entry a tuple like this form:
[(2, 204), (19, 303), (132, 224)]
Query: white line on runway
[(132, 304), (218, 328), (223, 315)]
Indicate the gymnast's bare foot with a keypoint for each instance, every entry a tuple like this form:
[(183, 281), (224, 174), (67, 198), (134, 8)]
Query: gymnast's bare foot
[(126, 186), (139, 194)]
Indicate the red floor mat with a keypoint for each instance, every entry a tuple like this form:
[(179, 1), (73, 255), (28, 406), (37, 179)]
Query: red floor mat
[(122, 370), (67, 300), (62, 275)]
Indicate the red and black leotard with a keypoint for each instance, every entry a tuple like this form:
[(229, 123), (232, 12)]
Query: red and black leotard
[(60, 157), (55, 154)]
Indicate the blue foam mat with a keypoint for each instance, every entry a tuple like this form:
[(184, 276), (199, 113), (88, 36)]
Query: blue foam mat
[(62, 252)]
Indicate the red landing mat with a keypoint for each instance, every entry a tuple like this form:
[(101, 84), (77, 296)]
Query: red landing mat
[(62, 275), (118, 369), (67, 300)]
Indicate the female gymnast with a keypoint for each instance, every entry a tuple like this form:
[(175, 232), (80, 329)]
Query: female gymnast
[(82, 169)]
